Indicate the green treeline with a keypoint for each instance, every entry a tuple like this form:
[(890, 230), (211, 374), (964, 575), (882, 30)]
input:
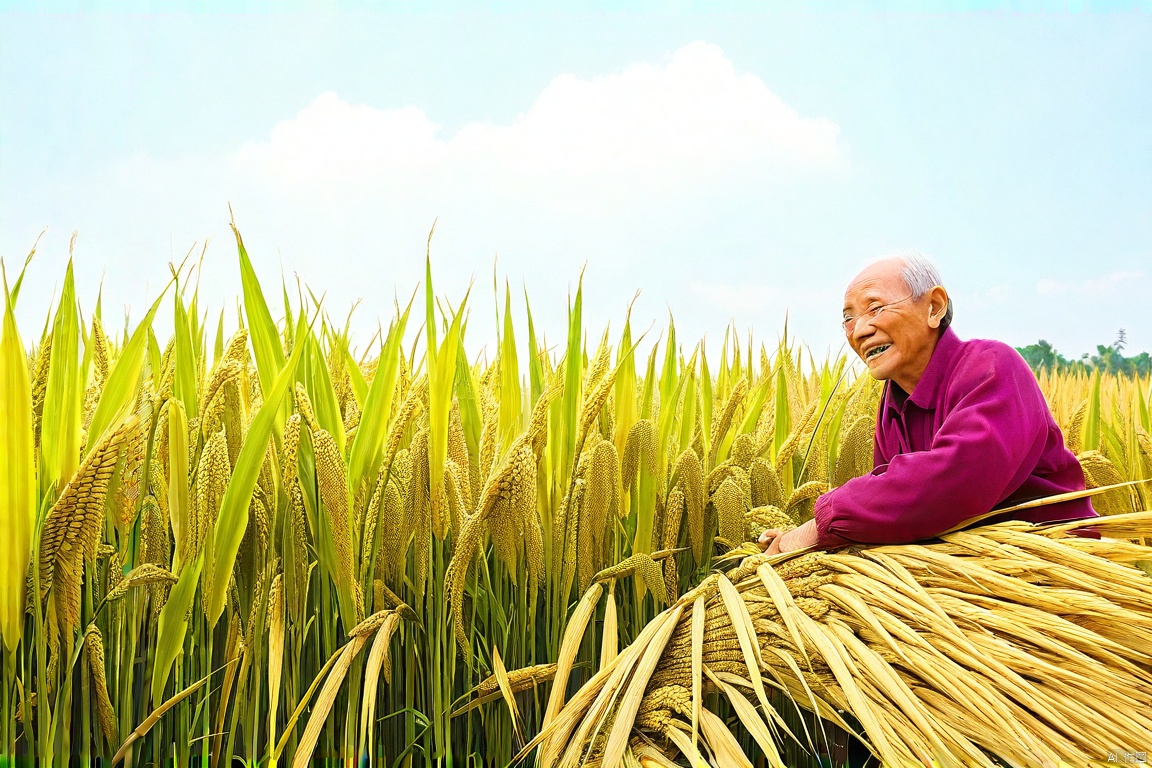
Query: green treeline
[(1108, 358)]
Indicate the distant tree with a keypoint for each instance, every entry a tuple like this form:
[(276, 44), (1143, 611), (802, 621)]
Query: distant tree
[(1141, 364), (1042, 355), (1108, 358)]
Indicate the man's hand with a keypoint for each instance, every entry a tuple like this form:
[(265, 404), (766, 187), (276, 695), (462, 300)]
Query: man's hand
[(776, 541)]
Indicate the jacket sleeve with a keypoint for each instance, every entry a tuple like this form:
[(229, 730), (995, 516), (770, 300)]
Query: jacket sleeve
[(986, 447)]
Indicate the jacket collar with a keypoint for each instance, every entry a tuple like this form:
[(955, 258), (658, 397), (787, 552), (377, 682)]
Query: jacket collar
[(928, 388)]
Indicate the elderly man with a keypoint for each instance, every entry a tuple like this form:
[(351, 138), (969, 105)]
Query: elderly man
[(962, 428)]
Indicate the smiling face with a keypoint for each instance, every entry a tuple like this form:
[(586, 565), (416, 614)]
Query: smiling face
[(897, 343)]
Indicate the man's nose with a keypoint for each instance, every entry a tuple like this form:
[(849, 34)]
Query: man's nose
[(862, 329)]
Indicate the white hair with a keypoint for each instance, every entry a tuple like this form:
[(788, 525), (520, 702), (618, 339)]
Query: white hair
[(921, 275)]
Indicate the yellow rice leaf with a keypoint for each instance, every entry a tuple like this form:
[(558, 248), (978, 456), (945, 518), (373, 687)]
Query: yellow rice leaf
[(506, 692), (325, 701)]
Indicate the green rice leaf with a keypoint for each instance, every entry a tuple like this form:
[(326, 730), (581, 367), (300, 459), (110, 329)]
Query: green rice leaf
[(233, 518), (266, 346), (173, 626), (368, 444), (60, 430), (119, 393), (17, 478)]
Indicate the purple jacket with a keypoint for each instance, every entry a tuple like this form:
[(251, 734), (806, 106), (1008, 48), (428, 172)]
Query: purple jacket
[(974, 435)]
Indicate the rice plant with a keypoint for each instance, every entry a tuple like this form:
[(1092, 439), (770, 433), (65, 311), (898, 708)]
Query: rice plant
[(273, 548)]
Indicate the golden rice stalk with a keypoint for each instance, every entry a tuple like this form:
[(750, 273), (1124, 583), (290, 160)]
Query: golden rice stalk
[(610, 643), (722, 422), (94, 645), (368, 525), (800, 502), (72, 529), (489, 433), (212, 398), (566, 553), (1099, 471), (258, 529), (395, 531), (212, 476), (419, 507), (130, 463), (595, 398), (690, 482), (767, 490), (162, 380), (235, 419), (743, 451), (351, 417), (731, 503), (100, 352), (996, 641), (533, 542), (518, 679), (455, 578), (1145, 442), (458, 453), (1074, 434), (299, 549), (378, 660), (40, 383), (762, 518), (602, 497), (641, 565), (155, 547), (304, 407), (398, 606), (456, 506), (325, 700), (855, 456), (583, 520), (508, 500), (332, 481), (289, 465), (275, 650), (237, 348), (140, 576), (672, 519), (816, 461), (639, 452), (569, 646), (722, 472), (369, 625), (411, 407)]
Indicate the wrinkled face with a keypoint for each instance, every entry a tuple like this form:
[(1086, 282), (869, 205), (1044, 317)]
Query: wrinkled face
[(897, 342)]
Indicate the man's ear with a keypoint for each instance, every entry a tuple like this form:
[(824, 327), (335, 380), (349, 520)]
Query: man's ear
[(937, 306)]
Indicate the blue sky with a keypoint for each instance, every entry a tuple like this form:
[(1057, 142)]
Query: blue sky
[(732, 166)]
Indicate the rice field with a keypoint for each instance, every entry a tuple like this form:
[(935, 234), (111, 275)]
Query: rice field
[(276, 548)]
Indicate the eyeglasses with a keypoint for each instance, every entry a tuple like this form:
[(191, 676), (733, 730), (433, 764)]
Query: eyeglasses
[(849, 323)]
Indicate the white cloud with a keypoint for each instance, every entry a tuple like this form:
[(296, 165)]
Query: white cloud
[(1102, 286), (331, 141), (637, 175), (692, 116)]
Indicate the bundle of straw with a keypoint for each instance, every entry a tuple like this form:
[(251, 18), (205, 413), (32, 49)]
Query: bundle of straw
[(1005, 644)]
